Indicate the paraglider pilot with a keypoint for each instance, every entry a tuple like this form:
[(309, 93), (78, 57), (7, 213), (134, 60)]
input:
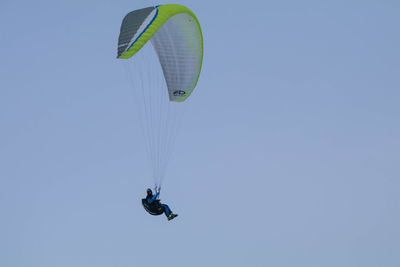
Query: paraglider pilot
[(153, 205)]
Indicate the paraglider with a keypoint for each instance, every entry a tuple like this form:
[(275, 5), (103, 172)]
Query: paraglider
[(153, 205), (175, 35)]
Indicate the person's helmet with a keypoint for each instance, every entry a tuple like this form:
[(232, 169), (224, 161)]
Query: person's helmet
[(149, 192)]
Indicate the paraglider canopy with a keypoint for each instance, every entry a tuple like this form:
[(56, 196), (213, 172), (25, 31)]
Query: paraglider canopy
[(175, 34)]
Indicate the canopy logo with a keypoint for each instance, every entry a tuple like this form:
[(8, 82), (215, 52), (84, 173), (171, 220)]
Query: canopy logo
[(179, 93)]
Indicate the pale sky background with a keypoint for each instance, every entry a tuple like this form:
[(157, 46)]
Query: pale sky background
[(290, 155)]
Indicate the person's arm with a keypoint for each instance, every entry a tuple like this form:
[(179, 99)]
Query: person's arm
[(153, 198)]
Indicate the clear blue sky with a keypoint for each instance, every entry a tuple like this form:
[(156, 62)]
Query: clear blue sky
[(291, 156)]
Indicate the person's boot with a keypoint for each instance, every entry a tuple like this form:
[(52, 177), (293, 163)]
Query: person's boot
[(171, 216)]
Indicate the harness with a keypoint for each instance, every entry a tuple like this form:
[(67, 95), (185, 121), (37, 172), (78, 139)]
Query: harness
[(152, 209)]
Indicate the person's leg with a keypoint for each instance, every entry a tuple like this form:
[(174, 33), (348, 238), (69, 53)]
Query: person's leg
[(167, 210)]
